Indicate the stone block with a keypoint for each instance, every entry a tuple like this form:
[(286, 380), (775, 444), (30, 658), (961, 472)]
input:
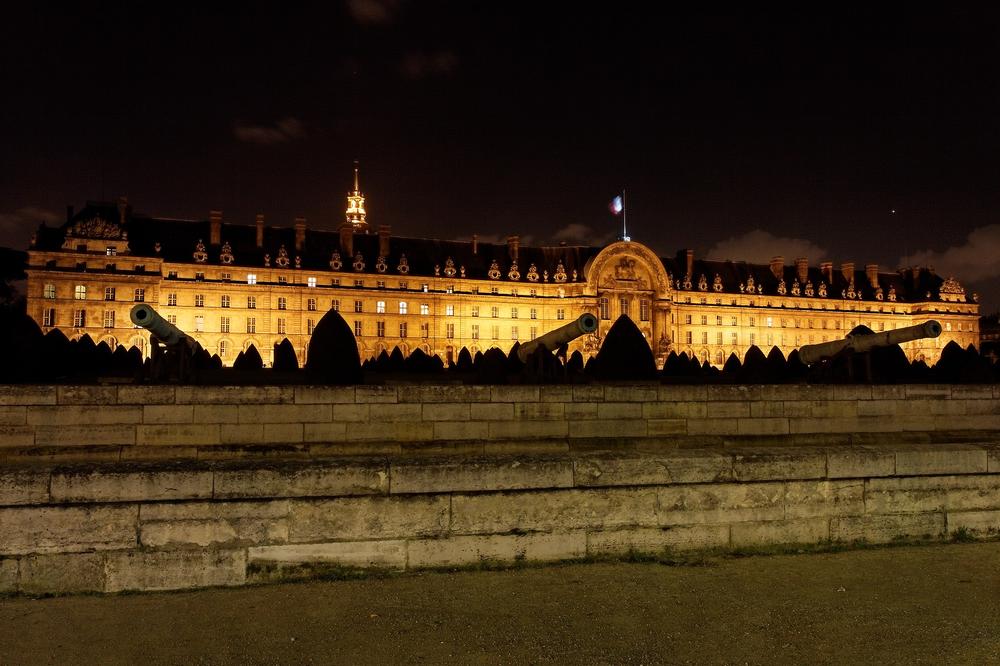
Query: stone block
[(285, 413), (553, 510), (993, 459), (85, 435), (778, 463), (650, 470), (284, 433), (888, 392), (213, 532), (62, 573), (795, 392), (980, 523), (605, 428), (720, 503), (712, 426), (767, 409), (8, 574), (397, 413), (216, 414), (234, 395), (324, 432), (682, 393), (982, 407), (376, 517), (158, 453), (401, 432), (514, 394), (22, 435), (932, 493), (67, 529), (146, 395), (89, 484), (13, 416), (352, 413), (724, 409), (327, 449), (515, 447), (851, 391), (661, 427), (971, 391), (87, 395), (464, 550), (886, 528), (455, 393), (540, 410), (445, 411), (328, 478), (556, 393), (323, 395), (941, 459), (762, 426), (928, 391), (28, 485), (174, 570), (178, 433), (387, 554), (483, 474), (815, 499), (575, 411), (250, 433), (157, 414), (448, 430), (657, 540), (637, 393), (77, 415), (820, 409), (858, 462), (619, 410), (774, 532), (492, 411), (588, 393), (732, 393), (28, 395), (674, 410), (228, 510), (364, 395), (529, 429)]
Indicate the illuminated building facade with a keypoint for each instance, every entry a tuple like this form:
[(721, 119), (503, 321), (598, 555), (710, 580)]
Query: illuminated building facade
[(230, 285)]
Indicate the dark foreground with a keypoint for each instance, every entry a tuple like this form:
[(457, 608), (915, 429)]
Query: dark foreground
[(931, 604)]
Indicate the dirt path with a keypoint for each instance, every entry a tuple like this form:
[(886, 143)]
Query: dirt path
[(933, 604)]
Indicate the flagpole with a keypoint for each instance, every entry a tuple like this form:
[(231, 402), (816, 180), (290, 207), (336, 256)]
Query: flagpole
[(624, 217)]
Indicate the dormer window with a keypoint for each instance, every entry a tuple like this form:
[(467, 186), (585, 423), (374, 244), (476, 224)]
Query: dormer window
[(111, 251)]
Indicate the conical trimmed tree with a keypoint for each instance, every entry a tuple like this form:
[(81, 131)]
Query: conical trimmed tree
[(625, 354)]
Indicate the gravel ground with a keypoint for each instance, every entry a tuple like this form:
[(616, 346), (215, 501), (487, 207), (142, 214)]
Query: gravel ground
[(928, 604)]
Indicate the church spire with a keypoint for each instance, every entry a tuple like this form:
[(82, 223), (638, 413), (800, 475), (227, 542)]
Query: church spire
[(356, 204)]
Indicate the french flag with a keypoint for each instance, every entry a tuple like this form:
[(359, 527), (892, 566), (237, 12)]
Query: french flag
[(617, 205)]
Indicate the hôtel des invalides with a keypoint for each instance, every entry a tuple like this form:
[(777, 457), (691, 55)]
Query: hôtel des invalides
[(232, 283)]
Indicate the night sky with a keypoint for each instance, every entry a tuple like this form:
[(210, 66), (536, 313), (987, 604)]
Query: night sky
[(740, 135)]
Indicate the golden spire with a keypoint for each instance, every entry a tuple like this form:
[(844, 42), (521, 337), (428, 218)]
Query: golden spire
[(356, 190), (356, 204)]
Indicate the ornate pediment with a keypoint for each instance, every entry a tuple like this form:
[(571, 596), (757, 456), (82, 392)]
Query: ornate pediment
[(95, 227), (625, 270), (952, 286)]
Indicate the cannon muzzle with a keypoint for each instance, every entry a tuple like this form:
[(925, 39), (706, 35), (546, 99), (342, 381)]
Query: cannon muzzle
[(585, 323), (810, 354), (145, 316)]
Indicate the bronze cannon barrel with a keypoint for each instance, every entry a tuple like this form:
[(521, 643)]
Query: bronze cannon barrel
[(145, 316), (585, 323), (810, 354)]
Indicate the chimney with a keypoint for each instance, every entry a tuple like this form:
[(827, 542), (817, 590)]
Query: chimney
[(347, 241), (475, 243), (802, 269), (122, 210), (300, 233), (513, 245), (215, 227), (847, 270), (260, 230), (689, 256), (872, 271), (383, 240), (778, 266), (69, 213), (826, 268)]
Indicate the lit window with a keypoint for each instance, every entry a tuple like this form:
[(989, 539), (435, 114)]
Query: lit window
[(496, 332), (424, 288), (111, 251), (533, 292), (770, 322), (251, 324), (282, 279), (687, 319), (109, 293), (251, 302), (171, 318), (199, 323), (357, 328), (171, 299), (49, 317), (644, 310), (50, 291), (282, 303), (311, 282), (494, 290), (753, 339), (734, 338), (733, 321), (199, 300), (222, 348), (199, 276), (79, 318), (687, 337), (281, 326), (425, 308), (449, 310), (533, 333), (335, 282), (109, 319), (450, 289), (80, 292), (560, 314), (718, 320), (402, 329), (225, 277), (450, 331), (358, 306), (380, 284), (704, 337), (533, 313), (425, 330), (171, 275), (403, 307), (335, 305), (475, 331), (311, 304), (402, 284), (495, 312), (310, 325), (224, 324), (251, 278), (475, 311), (718, 338), (513, 314), (380, 307), (752, 321), (380, 329), (947, 326), (513, 332), (224, 301), (623, 306)]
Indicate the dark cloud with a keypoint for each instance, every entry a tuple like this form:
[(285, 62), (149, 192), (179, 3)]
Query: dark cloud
[(581, 234), (418, 65), (373, 12), (977, 259), (759, 246), (16, 228), (286, 129)]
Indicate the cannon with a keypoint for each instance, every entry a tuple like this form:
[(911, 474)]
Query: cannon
[(857, 344), (172, 350), (585, 323)]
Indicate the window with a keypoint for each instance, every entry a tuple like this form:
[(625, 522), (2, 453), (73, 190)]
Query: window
[(251, 324), (533, 333), (109, 293), (199, 276), (718, 320), (425, 330), (424, 288), (380, 284), (380, 307), (311, 282), (310, 325), (282, 279), (475, 311), (752, 321), (251, 302), (496, 332), (224, 324), (402, 284), (644, 310), (704, 320), (475, 290), (475, 331), (111, 251), (533, 313), (770, 322), (734, 338), (687, 337), (495, 312), (224, 301), (753, 339), (335, 305), (623, 305), (449, 310), (425, 308), (311, 304), (171, 318), (49, 317), (359, 283), (358, 306), (402, 329), (335, 282), (403, 307), (687, 319), (704, 337), (49, 291), (80, 292), (281, 325), (560, 314), (380, 329), (718, 338), (533, 292), (225, 277), (357, 328), (222, 348), (109, 319), (450, 289), (171, 275), (513, 314), (513, 332), (199, 323), (251, 278), (450, 331), (171, 299), (494, 290), (282, 303), (947, 326), (199, 300), (732, 321)]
